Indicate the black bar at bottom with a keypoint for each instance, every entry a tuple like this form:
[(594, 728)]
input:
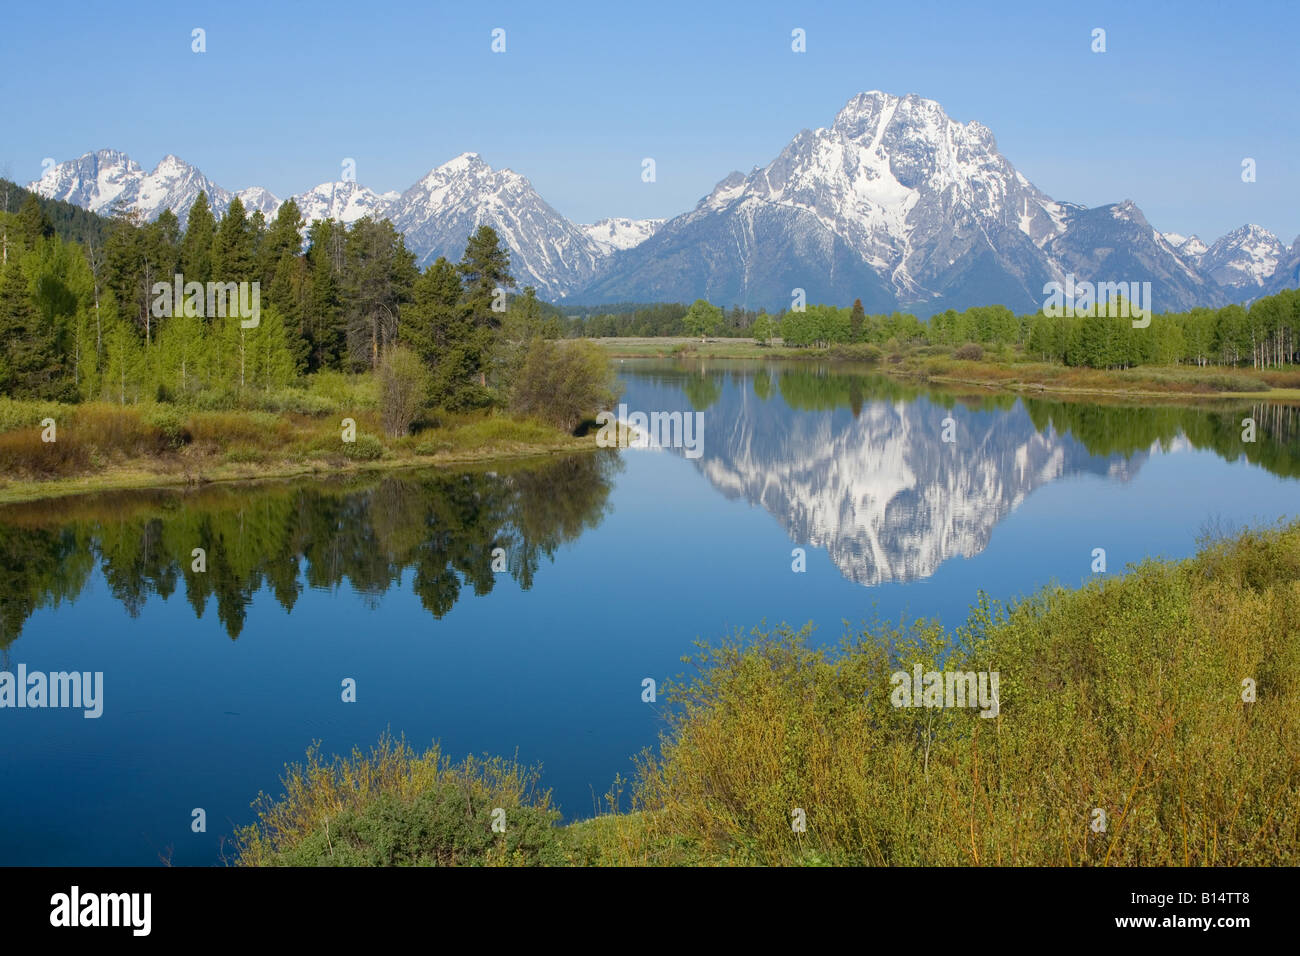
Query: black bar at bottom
[(332, 905)]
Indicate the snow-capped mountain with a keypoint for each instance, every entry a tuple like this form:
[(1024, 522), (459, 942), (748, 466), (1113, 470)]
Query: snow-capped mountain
[(1115, 243), (894, 203), (108, 179), (902, 206), (617, 234), (1244, 259), (1287, 273), (443, 209), (436, 215), (344, 202)]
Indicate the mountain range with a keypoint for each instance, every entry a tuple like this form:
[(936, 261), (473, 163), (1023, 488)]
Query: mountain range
[(894, 203)]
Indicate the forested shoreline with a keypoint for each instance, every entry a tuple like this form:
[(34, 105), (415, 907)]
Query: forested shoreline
[(115, 360)]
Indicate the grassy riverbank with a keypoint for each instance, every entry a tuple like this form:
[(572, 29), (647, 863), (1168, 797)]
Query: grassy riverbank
[(100, 446), (1127, 696), (1001, 368)]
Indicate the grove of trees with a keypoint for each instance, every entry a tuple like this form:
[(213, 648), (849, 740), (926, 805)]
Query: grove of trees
[(78, 322)]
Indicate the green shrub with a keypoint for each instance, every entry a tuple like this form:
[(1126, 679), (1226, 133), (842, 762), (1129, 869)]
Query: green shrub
[(214, 400), (244, 455), (344, 391), (394, 807), (29, 414), (403, 386), (170, 423), (855, 353), (563, 383), (293, 400), (432, 446), (365, 448)]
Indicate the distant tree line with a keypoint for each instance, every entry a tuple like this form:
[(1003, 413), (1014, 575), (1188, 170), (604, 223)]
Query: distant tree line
[(1264, 335)]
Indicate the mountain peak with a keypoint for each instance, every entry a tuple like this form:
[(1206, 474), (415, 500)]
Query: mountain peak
[(1245, 258), (465, 162)]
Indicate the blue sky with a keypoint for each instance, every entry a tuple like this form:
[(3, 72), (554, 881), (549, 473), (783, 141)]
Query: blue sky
[(583, 92)]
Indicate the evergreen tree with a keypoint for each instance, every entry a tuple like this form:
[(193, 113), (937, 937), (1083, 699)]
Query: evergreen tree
[(380, 274), (233, 253), (436, 316), (323, 322), (30, 364), (32, 224), (196, 247), (123, 275), (288, 292), (484, 269), (158, 249), (283, 238), (856, 320)]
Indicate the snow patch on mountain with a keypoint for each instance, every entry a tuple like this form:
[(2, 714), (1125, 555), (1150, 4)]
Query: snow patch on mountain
[(344, 202), (618, 234)]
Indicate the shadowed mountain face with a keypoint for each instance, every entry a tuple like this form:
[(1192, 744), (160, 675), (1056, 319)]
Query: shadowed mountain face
[(858, 466)]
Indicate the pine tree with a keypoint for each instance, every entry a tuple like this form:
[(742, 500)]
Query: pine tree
[(30, 365), (32, 224), (196, 247), (379, 275), (436, 315), (123, 273), (158, 247), (484, 269), (856, 319), (233, 254), (283, 238), (323, 322), (287, 292)]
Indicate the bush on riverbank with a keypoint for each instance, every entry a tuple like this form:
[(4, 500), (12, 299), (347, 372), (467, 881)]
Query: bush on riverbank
[(394, 807), (1124, 696)]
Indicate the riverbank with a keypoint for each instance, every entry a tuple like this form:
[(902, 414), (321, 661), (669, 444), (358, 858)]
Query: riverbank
[(1146, 719), (103, 447), (1004, 368)]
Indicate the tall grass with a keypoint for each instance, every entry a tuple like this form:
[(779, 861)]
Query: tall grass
[(284, 431), (1125, 696)]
